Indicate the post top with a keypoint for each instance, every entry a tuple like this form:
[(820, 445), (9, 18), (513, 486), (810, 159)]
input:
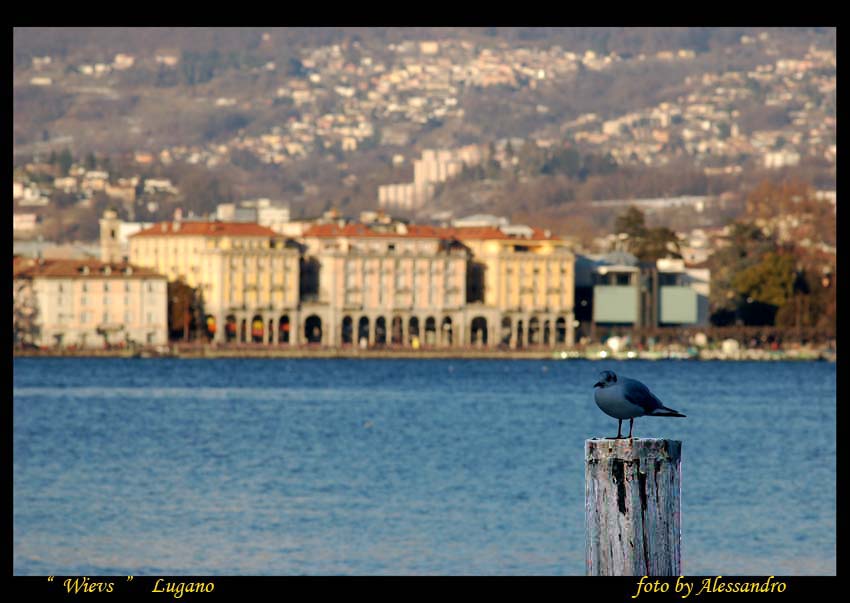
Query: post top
[(627, 449)]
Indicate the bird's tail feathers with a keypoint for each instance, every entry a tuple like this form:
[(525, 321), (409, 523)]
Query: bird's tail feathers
[(667, 412)]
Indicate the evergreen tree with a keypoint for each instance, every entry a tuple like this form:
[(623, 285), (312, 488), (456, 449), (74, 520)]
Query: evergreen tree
[(647, 244), (65, 160)]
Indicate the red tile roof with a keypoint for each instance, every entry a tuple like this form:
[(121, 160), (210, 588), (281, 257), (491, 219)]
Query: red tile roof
[(363, 230), (490, 232), (50, 268), (420, 231), (207, 229)]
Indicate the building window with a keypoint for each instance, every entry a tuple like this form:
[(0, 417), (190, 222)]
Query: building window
[(670, 279), (150, 318), (84, 317), (83, 301), (106, 286), (127, 287), (106, 317), (382, 288)]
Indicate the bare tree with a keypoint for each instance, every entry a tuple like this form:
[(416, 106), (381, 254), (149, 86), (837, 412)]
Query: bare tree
[(25, 314)]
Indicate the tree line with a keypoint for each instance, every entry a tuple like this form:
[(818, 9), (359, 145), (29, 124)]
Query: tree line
[(776, 266)]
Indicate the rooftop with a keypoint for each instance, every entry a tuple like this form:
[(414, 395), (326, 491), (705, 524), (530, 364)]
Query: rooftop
[(207, 229), (25, 267), (429, 232), (358, 230)]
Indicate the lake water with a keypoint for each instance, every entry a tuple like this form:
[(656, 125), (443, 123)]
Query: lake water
[(251, 467)]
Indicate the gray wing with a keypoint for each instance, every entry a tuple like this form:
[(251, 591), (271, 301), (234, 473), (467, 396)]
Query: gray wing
[(637, 393)]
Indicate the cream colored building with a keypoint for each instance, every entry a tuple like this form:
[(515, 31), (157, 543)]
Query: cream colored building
[(521, 286), (488, 286), (87, 303), (374, 282), (248, 275), (387, 284)]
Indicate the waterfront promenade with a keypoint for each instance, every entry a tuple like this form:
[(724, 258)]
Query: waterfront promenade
[(312, 351)]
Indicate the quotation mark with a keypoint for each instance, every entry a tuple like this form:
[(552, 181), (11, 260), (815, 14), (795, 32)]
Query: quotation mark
[(129, 578), (50, 578)]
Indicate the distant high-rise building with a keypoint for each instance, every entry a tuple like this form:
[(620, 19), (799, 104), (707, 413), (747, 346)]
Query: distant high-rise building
[(434, 167)]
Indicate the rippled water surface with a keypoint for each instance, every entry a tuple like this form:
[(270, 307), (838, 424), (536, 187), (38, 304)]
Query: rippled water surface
[(168, 466)]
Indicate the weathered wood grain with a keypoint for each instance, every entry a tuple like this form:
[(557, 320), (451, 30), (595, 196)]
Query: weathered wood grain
[(633, 507)]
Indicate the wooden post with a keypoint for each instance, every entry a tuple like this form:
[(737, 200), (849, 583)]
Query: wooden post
[(633, 507)]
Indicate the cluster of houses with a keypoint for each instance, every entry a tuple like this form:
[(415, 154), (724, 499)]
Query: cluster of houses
[(35, 189), (706, 123), (347, 96)]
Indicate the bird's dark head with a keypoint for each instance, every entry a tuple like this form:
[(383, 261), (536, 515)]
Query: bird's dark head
[(606, 378)]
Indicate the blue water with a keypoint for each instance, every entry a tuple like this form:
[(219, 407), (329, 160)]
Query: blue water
[(167, 466)]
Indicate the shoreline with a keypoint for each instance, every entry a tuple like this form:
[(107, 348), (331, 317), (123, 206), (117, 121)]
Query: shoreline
[(598, 354)]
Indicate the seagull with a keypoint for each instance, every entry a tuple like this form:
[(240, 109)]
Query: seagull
[(626, 398)]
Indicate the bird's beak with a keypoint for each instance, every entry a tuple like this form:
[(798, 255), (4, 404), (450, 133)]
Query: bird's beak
[(598, 384)]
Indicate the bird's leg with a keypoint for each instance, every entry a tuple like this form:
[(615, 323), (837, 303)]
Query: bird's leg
[(619, 429), (631, 424)]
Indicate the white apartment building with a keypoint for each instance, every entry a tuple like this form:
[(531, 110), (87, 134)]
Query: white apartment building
[(87, 303)]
